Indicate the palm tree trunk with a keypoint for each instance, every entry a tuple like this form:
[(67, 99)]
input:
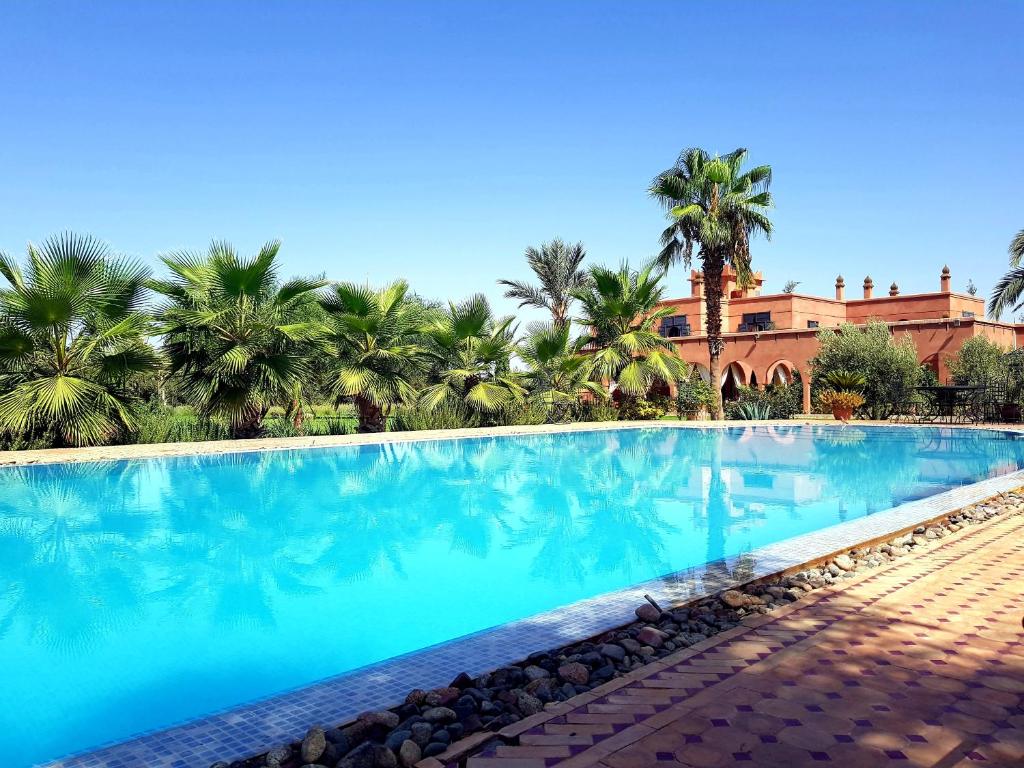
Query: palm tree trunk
[(371, 416), (713, 265)]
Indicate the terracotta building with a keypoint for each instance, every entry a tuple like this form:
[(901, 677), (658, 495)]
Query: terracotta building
[(769, 337)]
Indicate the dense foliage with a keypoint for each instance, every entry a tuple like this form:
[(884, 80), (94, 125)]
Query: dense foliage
[(887, 364), (978, 361)]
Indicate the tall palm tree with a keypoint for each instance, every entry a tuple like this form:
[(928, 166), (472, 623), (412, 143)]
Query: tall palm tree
[(1008, 291), (619, 306), (714, 203), (376, 346), (557, 266), (559, 372), (473, 351), (241, 340), (72, 338)]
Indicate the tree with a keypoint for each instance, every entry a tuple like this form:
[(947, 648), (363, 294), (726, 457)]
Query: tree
[(1009, 290), (241, 340), (473, 351), (72, 339), (620, 308), (557, 266), (979, 361), (790, 286), (378, 354), (714, 203), (888, 365), (559, 372)]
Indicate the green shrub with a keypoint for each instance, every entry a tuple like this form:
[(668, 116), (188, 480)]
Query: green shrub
[(979, 361), (776, 401), (641, 409), (177, 424), (889, 365), (447, 415), (693, 395), (603, 410)]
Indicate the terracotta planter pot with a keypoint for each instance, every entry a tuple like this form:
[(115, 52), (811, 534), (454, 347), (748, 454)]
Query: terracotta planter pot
[(842, 413)]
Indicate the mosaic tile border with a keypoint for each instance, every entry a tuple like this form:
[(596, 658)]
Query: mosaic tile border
[(251, 728)]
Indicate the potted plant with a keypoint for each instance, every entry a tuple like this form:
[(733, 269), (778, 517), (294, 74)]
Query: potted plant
[(841, 403)]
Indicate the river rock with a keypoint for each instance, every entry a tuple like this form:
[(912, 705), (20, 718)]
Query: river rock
[(734, 599), (438, 715), (527, 704), (313, 745), (647, 612), (278, 755), (614, 652), (409, 753), (651, 636), (844, 562), (534, 672)]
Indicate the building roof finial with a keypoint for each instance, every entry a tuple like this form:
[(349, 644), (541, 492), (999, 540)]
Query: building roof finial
[(945, 271), (840, 282), (868, 282)]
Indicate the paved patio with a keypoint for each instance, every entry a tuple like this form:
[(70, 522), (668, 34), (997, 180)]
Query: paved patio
[(920, 663)]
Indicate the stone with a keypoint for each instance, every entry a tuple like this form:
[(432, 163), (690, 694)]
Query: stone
[(220, 764), (647, 612), (614, 652), (574, 673), (360, 757), (651, 636), (631, 645), (395, 739), (313, 745), (527, 704), (533, 672), (382, 717), (439, 697), (278, 755), (384, 757), (734, 598), (434, 748), (461, 681), (409, 753), (438, 715), (421, 733), (416, 696)]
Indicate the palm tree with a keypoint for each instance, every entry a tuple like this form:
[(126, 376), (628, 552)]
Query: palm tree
[(241, 341), (378, 354), (72, 338), (559, 371), (473, 351), (1008, 291), (557, 266), (619, 306), (714, 203)]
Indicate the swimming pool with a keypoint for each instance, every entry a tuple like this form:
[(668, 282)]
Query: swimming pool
[(138, 594)]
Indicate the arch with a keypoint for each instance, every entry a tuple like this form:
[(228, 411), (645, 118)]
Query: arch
[(703, 371), (659, 389), (735, 375), (781, 372)]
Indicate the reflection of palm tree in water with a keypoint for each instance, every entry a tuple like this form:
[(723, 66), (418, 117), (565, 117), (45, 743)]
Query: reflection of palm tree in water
[(717, 512), (67, 562)]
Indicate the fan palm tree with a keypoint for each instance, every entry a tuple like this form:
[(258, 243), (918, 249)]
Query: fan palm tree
[(473, 351), (1008, 291), (72, 338), (241, 340), (376, 344), (714, 203), (559, 371), (557, 266), (619, 306)]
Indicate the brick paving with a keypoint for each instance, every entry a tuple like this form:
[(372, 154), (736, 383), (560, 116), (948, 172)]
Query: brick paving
[(920, 663)]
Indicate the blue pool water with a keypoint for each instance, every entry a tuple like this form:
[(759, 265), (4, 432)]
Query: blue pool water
[(137, 594)]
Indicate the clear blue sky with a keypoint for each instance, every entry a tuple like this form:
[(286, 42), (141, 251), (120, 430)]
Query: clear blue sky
[(434, 141)]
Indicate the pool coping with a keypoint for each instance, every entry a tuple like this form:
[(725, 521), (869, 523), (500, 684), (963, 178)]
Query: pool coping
[(252, 728), (219, 447)]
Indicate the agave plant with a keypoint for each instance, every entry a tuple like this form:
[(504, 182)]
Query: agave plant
[(473, 351), (72, 338), (559, 372), (241, 340), (378, 355), (753, 411)]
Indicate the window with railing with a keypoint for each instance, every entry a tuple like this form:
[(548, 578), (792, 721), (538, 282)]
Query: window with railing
[(674, 327), (757, 321), (812, 323)]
